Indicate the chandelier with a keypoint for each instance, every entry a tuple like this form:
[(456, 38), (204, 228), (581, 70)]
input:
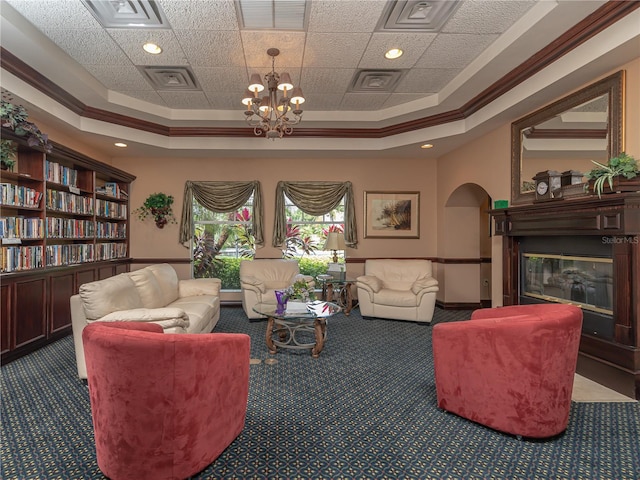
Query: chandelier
[(269, 114)]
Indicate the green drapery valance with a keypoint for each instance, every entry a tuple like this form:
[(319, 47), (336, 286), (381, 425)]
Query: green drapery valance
[(222, 197), (315, 198)]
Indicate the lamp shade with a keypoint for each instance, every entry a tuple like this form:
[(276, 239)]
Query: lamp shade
[(285, 82), (248, 98), (296, 96), (255, 83), (335, 241)]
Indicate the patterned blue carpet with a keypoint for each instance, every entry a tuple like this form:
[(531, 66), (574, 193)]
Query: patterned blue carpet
[(365, 409)]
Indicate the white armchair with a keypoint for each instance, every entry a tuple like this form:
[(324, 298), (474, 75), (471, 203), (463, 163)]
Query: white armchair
[(397, 289), (259, 279)]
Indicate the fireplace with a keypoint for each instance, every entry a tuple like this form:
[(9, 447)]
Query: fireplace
[(575, 270), (584, 251)]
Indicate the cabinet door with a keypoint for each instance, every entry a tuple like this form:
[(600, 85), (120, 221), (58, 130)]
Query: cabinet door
[(6, 317), (60, 291), (30, 310), (83, 277)]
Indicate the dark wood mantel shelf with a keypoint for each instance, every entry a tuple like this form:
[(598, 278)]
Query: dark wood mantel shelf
[(614, 221)]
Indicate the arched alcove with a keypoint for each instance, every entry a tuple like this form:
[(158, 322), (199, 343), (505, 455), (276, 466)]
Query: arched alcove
[(467, 247)]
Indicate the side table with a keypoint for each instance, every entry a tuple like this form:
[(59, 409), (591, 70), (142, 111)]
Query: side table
[(330, 286)]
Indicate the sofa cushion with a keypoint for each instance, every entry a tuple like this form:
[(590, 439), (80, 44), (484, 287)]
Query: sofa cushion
[(167, 279), (148, 288), (199, 309), (103, 297), (165, 317), (396, 298)]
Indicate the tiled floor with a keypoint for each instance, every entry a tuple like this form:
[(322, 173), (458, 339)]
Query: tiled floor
[(585, 390)]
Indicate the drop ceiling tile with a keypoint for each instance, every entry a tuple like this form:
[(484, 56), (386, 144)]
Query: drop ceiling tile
[(212, 48), (226, 101), (345, 15), (426, 80), (413, 45), (131, 42), (256, 44), (123, 77), (46, 13), (481, 16), (452, 50), (322, 102), (326, 80), (194, 100), (223, 79), (200, 14), (363, 101), (320, 50), (88, 45)]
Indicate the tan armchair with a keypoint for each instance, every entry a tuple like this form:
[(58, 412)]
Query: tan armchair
[(397, 289), (259, 279)]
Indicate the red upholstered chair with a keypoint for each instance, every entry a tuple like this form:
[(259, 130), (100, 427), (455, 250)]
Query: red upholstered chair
[(163, 406), (510, 368)]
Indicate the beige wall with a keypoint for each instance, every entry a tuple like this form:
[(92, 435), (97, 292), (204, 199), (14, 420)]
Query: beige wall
[(484, 162), (169, 176)]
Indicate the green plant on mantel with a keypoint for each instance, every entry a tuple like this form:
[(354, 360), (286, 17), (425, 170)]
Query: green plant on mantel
[(14, 117), (621, 166), (7, 151), (157, 205)]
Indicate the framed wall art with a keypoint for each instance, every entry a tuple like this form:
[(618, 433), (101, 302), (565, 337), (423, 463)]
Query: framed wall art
[(391, 214)]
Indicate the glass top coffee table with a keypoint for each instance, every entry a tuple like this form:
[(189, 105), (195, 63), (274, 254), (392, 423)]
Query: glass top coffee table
[(297, 329)]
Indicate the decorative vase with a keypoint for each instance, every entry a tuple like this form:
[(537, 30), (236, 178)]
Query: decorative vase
[(281, 298)]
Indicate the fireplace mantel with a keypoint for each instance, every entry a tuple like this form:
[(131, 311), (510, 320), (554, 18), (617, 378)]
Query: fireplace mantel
[(614, 221)]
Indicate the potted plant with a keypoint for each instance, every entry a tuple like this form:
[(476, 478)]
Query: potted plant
[(7, 152), (615, 173), (14, 117), (157, 205)]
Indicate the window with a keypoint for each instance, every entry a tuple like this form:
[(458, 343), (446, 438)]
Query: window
[(220, 241), (306, 235)]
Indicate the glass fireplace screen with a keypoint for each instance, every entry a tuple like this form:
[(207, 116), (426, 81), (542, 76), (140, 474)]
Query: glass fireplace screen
[(584, 281)]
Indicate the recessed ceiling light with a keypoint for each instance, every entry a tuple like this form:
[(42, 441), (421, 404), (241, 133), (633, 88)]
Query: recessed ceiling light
[(426, 145), (120, 144), (393, 53), (152, 48)]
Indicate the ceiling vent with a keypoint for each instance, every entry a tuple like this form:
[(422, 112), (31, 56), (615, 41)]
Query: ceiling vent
[(127, 13), (375, 81), (273, 14), (171, 78), (416, 15)]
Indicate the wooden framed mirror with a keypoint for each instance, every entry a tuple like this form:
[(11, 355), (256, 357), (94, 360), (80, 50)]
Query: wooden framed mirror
[(568, 134)]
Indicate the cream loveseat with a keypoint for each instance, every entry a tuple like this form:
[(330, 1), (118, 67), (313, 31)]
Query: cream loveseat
[(259, 279), (397, 289), (152, 294)]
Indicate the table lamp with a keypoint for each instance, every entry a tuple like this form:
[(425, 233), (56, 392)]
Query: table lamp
[(335, 241)]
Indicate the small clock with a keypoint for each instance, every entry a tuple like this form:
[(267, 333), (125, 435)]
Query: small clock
[(548, 185)]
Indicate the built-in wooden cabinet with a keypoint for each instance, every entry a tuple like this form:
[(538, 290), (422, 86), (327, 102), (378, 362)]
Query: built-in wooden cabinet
[(64, 221), (588, 227)]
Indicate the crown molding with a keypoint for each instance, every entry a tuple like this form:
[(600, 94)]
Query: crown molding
[(604, 17)]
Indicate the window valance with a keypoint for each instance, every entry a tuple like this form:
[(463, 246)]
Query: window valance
[(315, 198), (222, 197)]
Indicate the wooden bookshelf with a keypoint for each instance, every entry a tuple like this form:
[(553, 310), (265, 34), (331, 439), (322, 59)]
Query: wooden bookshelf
[(59, 228)]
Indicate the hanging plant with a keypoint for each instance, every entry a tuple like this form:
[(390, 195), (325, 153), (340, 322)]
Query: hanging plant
[(157, 205), (14, 117), (7, 153)]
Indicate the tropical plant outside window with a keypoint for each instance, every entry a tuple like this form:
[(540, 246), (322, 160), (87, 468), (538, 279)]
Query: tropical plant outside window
[(222, 240)]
